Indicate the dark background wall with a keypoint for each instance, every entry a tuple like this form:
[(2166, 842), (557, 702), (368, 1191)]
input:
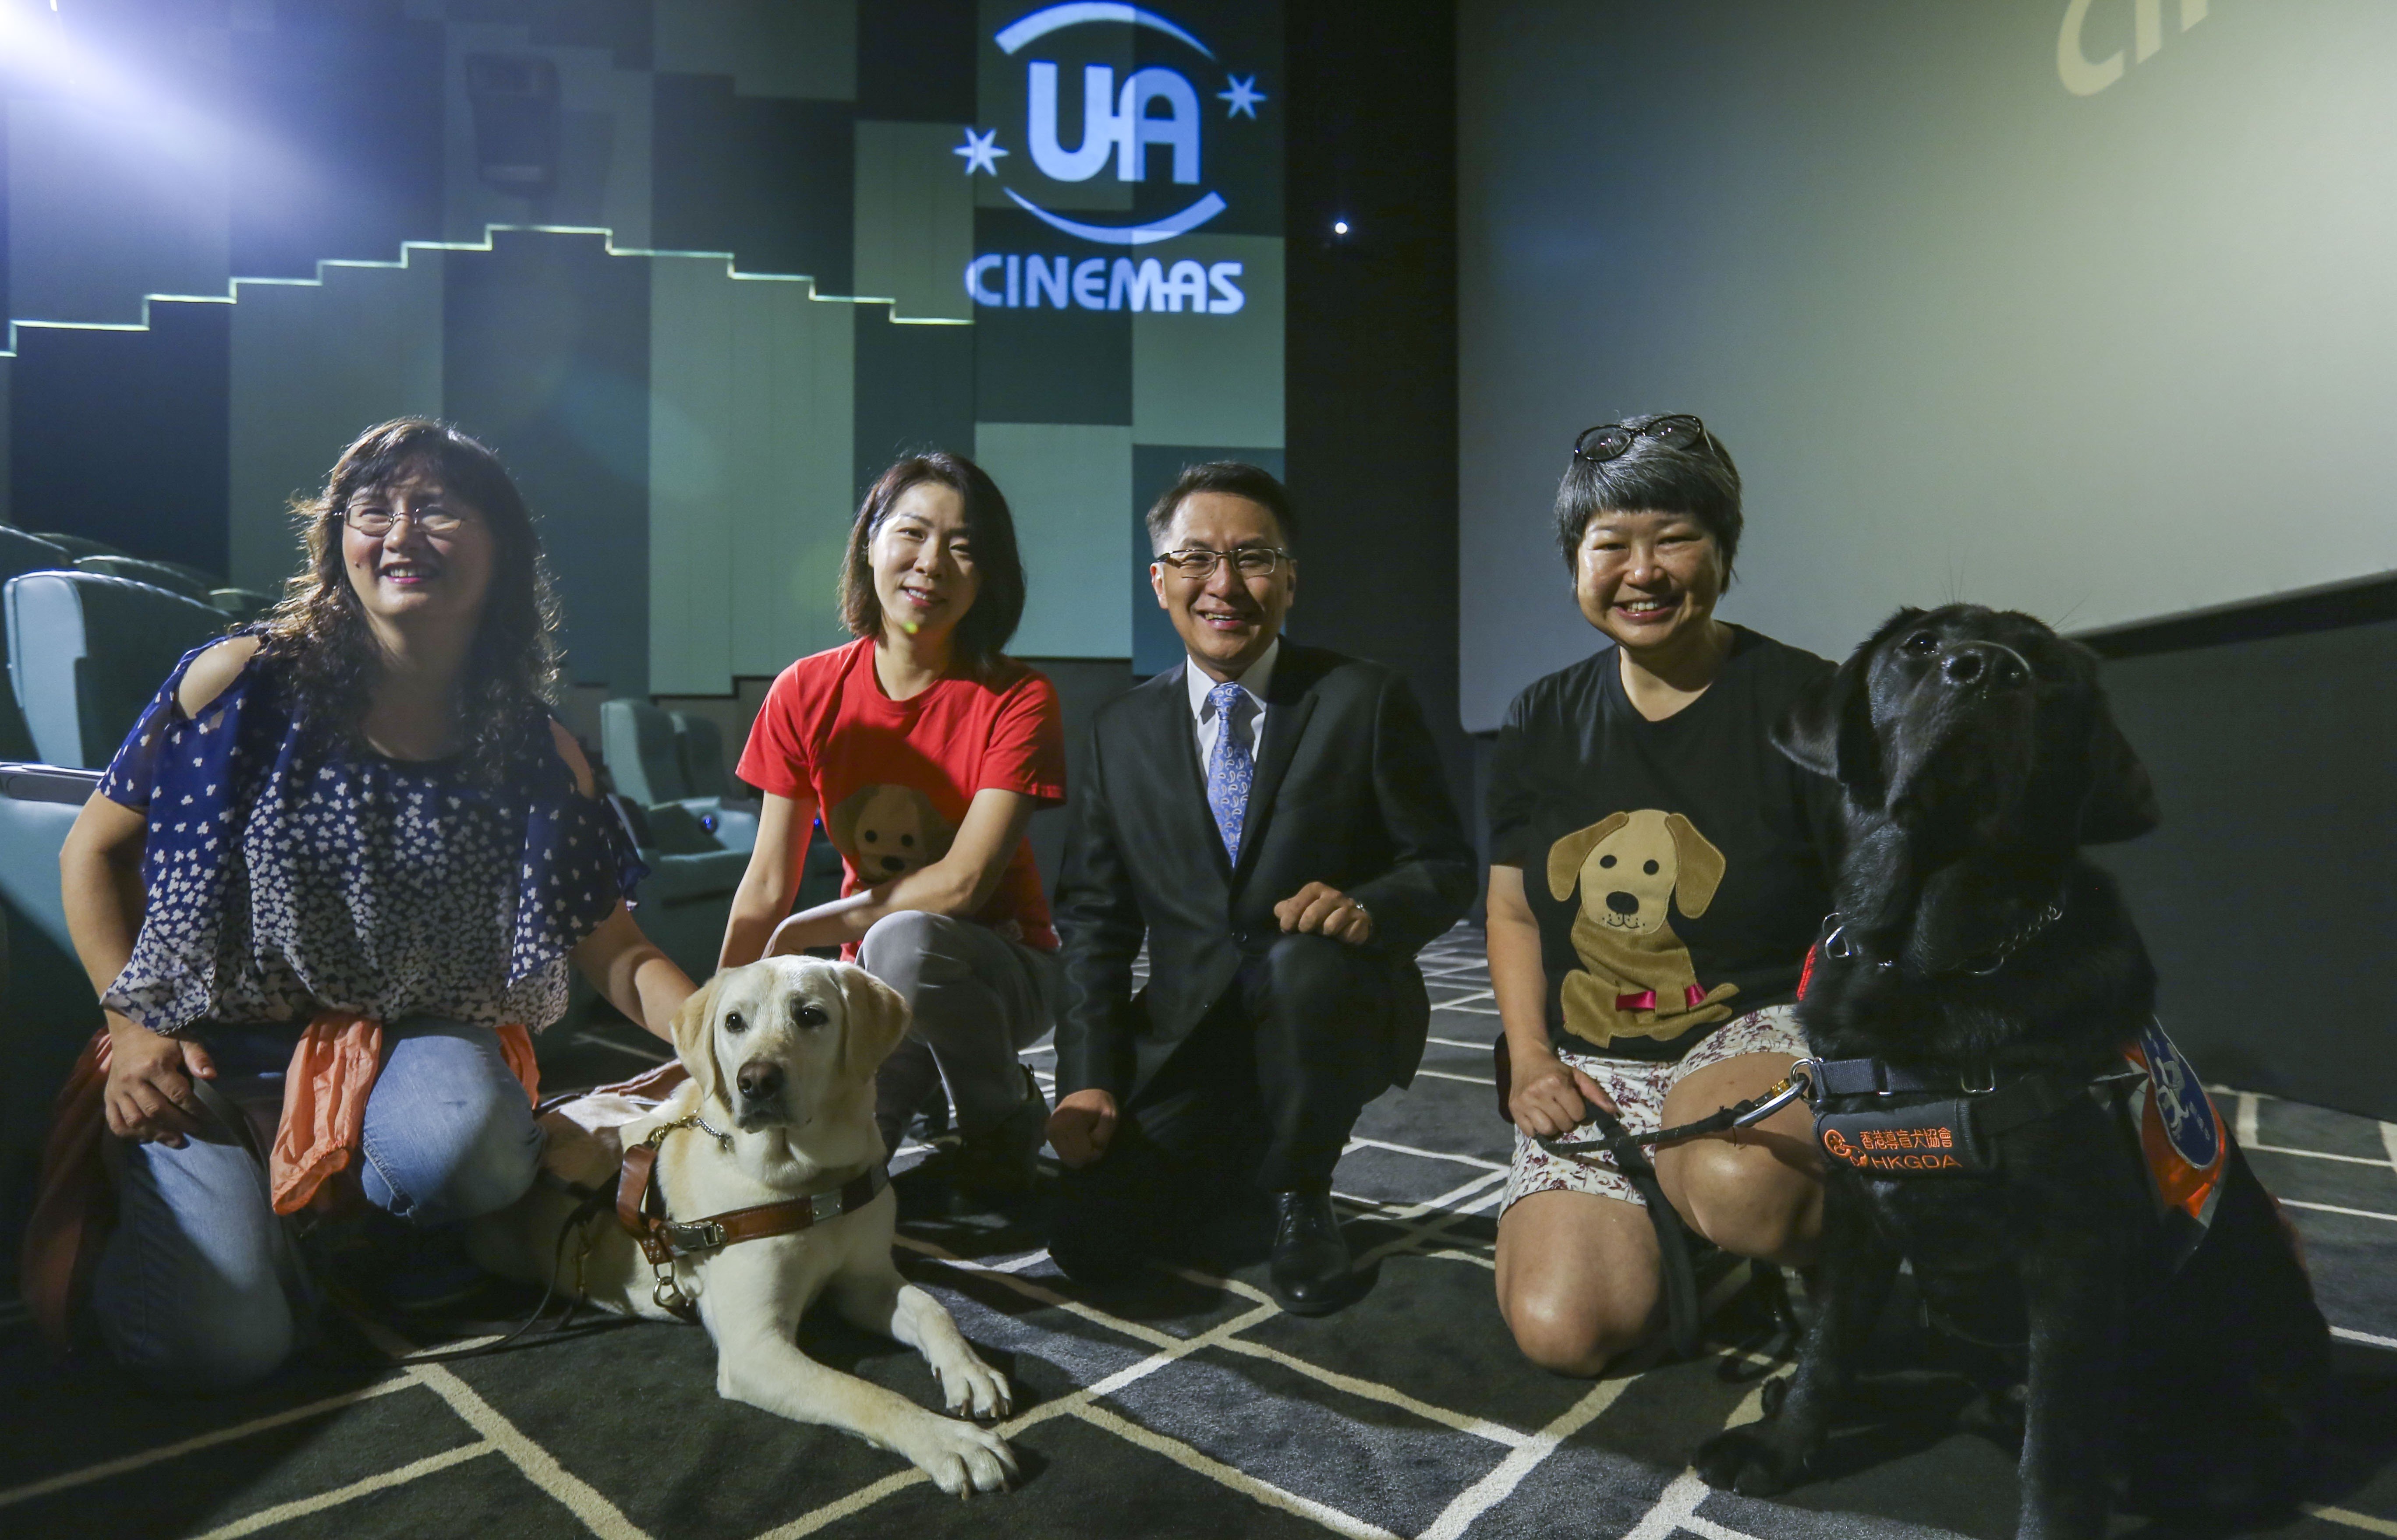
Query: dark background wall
[(1370, 403), (2268, 897)]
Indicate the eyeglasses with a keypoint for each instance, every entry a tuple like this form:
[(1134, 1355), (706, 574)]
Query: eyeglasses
[(1249, 561), (374, 523), (1611, 440)]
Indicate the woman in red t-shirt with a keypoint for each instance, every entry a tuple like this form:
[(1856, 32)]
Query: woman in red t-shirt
[(925, 750)]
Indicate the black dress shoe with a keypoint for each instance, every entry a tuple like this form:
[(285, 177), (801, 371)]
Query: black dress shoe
[(1310, 1255)]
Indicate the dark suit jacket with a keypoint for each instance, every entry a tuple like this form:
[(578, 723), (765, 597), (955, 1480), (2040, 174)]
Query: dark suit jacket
[(1348, 790)]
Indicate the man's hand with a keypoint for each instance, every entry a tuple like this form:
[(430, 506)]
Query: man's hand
[(1082, 1127), (1544, 1096), (149, 1092), (1321, 908)]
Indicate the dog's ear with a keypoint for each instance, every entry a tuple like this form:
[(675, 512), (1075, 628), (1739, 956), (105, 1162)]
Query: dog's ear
[(841, 824), (2121, 800), (1699, 865), (931, 827), (694, 1043), (1567, 854), (1828, 727), (875, 1018)]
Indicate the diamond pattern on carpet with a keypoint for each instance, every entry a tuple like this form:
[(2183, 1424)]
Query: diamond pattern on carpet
[(1197, 1408)]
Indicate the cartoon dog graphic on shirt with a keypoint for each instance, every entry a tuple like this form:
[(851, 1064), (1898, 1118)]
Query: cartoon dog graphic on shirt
[(886, 832), (1635, 979)]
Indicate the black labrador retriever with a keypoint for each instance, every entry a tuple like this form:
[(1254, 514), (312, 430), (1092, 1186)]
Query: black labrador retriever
[(1971, 1003)]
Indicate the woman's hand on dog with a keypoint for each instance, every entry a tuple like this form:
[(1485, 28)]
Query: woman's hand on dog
[(1549, 1098), (149, 1094), (1082, 1126)]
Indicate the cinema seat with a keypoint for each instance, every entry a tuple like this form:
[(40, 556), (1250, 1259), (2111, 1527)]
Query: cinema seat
[(242, 604), (77, 545), (87, 652), (46, 1009), (644, 752), (20, 553), (157, 574), (700, 744)]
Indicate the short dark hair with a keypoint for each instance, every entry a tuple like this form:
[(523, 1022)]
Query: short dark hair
[(1233, 477), (999, 603), (1698, 481)]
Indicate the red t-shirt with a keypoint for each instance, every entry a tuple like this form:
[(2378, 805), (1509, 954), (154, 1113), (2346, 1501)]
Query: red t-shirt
[(891, 779)]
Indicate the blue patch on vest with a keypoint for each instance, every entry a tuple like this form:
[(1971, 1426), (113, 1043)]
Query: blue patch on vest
[(2190, 1125)]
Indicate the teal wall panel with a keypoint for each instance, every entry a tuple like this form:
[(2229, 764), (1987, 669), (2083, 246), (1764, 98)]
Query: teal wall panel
[(1067, 484), (752, 454), (915, 223), (770, 47), (311, 366), (604, 134), (1214, 378), (106, 208)]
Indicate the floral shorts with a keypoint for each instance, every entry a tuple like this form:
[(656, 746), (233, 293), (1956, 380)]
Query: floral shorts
[(1639, 1087)]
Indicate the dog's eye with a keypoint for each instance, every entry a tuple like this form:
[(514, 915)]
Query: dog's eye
[(732, 1022), (870, 835), (1921, 645), (1606, 862), (809, 1014), (908, 840), (1649, 868)]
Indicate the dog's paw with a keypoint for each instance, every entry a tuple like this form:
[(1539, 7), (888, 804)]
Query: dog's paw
[(972, 1388), (960, 1458), (1746, 1461)]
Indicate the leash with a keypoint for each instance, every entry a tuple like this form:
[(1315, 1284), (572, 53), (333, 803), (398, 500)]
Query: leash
[(640, 1208)]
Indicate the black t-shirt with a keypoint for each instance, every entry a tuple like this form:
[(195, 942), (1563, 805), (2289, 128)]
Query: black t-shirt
[(1676, 868)]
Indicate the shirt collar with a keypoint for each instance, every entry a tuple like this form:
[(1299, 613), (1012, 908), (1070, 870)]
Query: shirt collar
[(1256, 681)]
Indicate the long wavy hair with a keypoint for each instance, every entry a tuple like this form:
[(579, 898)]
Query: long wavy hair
[(512, 670)]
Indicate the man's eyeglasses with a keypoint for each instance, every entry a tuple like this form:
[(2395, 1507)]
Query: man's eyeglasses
[(1611, 440), (1249, 561), (374, 523)]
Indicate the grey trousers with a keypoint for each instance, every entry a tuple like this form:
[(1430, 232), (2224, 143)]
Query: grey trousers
[(976, 999)]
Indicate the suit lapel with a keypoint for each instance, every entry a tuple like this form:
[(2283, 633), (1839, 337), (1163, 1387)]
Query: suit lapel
[(1290, 700), (1185, 777)]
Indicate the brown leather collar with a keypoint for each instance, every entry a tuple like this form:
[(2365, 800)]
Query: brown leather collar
[(640, 1208)]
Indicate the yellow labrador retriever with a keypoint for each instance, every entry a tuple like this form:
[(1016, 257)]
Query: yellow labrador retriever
[(782, 1055)]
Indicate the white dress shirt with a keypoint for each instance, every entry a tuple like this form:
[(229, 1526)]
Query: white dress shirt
[(1249, 716)]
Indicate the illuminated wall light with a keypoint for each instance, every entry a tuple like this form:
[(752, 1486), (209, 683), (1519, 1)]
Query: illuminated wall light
[(407, 249), (1340, 227)]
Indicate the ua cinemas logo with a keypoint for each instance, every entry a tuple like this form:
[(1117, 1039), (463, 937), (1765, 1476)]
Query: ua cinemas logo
[(1123, 139), (2085, 76)]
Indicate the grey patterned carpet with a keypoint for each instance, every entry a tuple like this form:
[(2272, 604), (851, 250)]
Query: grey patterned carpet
[(1196, 1410)]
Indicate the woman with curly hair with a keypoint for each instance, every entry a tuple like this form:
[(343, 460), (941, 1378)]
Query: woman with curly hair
[(342, 862)]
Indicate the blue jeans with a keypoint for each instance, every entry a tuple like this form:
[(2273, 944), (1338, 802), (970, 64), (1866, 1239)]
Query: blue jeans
[(201, 1288)]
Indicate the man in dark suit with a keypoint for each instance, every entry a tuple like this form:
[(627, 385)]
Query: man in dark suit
[(1273, 820)]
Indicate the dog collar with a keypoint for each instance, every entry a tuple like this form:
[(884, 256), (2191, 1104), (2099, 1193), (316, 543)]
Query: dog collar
[(640, 1208), (1837, 943)]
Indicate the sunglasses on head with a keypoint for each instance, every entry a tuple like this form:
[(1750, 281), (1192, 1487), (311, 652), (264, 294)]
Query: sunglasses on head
[(1611, 440)]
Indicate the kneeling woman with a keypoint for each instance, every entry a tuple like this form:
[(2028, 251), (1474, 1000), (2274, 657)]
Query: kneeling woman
[(352, 844), (1658, 871), (925, 750)]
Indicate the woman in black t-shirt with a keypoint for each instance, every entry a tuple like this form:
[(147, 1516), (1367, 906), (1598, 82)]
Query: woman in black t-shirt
[(1657, 873)]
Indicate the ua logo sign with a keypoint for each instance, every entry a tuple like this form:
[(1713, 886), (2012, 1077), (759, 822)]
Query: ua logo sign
[(1148, 127)]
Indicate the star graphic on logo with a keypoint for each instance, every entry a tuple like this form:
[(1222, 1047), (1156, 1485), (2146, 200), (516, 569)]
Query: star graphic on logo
[(981, 152), (1243, 95)]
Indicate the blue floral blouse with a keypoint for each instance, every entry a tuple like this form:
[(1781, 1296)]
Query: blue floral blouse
[(288, 874)]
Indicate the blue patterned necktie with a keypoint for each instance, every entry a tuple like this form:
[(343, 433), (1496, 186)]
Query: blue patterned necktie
[(1229, 769)]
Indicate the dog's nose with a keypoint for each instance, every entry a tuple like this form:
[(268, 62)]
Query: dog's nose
[(1982, 663), (894, 863), (761, 1080), (1623, 904)]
